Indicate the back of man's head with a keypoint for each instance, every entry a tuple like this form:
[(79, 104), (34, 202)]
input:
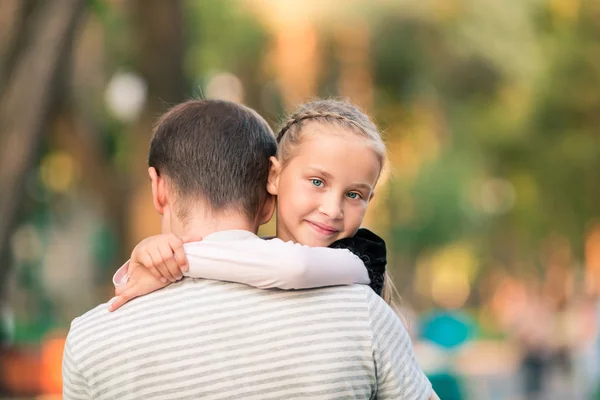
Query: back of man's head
[(214, 151)]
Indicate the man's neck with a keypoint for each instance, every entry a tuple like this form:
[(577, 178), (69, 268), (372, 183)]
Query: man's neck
[(201, 226)]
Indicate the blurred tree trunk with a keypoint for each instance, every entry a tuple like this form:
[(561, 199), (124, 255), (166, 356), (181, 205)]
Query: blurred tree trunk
[(39, 47), (159, 34), (33, 56), (13, 34)]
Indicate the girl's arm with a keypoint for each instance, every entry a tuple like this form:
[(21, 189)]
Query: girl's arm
[(260, 263), (274, 264)]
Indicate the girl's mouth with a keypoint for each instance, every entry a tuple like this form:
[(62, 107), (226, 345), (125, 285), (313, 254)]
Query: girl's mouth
[(322, 228)]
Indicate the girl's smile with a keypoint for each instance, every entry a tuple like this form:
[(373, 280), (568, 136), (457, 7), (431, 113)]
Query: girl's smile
[(323, 229)]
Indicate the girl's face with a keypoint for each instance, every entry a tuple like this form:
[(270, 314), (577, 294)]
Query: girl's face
[(325, 187)]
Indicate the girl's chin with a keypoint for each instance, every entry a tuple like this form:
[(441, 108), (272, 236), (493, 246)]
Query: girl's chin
[(312, 241), (316, 237)]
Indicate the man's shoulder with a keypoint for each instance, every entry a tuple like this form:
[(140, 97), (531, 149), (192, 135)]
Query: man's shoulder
[(362, 292), (360, 296), (96, 315), (186, 289), (205, 294), (91, 315), (88, 325)]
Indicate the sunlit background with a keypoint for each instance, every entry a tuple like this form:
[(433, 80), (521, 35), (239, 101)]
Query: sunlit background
[(490, 209)]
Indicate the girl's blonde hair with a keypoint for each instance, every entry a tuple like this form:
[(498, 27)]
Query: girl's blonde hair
[(337, 114), (390, 294)]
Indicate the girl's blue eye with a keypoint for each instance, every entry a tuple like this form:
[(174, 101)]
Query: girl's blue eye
[(353, 195), (317, 182)]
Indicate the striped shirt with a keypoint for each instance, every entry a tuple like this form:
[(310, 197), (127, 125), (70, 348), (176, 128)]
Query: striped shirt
[(218, 340)]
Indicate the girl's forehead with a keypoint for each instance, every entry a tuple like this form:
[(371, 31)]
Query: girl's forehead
[(321, 139), (345, 156), (332, 141)]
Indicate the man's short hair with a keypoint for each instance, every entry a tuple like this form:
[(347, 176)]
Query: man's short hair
[(214, 151)]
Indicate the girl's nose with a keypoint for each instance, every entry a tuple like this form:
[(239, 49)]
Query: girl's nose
[(331, 206)]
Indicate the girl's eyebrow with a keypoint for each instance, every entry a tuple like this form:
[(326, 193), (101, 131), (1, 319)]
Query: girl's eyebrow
[(363, 186), (321, 172)]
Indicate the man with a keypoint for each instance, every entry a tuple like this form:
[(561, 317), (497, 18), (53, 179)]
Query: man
[(207, 339)]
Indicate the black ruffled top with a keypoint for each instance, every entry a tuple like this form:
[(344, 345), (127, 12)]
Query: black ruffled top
[(370, 248)]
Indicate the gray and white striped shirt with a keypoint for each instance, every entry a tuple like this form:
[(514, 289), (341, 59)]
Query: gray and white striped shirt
[(217, 340)]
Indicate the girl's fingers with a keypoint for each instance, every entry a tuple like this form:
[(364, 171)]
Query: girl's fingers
[(121, 299), (161, 266), (181, 258), (177, 248), (191, 238), (179, 252), (146, 260), (169, 259)]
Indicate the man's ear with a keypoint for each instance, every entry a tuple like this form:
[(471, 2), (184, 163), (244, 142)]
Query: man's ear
[(159, 190), (274, 172)]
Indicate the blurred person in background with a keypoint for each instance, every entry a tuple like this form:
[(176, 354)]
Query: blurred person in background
[(585, 353), (532, 327), (448, 331)]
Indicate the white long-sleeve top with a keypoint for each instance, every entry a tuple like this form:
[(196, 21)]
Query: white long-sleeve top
[(269, 264)]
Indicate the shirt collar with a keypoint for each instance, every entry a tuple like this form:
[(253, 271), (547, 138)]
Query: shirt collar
[(234, 234)]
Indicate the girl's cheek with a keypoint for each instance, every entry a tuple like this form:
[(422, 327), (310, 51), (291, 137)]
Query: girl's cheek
[(294, 196), (358, 212), (306, 191)]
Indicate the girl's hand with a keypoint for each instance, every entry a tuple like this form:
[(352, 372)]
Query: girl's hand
[(140, 282), (154, 262), (163, 255)]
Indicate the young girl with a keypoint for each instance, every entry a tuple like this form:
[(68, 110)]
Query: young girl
[(329, 159)]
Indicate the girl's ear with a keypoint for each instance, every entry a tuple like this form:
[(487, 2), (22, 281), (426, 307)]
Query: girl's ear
[(268, 210), (274, 173)]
